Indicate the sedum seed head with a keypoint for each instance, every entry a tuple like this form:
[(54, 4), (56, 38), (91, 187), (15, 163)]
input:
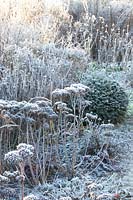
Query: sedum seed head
[(25, 146), (13, 157), (11, 175), (23, 152), (4, 179), (107, 126)]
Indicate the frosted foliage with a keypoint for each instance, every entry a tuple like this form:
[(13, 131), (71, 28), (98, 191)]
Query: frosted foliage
[(41, 49), (36, 70)]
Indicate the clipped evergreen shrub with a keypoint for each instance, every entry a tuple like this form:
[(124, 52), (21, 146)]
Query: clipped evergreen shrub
[(108, 99)]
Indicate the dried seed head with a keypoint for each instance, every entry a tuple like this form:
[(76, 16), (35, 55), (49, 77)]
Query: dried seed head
[(77, 89), (11, 174), (60, 93), (4, 179), (13, 157), (61, 106), (91, 116), (107, 126), (25, 153), (25, 146)]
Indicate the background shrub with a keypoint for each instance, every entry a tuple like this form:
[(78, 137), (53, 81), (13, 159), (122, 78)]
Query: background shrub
[(108, 99)]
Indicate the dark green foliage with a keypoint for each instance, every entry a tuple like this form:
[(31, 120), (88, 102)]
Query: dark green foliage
[(109, 100)]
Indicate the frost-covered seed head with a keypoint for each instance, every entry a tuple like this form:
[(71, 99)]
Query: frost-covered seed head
[(73, 90), (13, 157), (107, 126), (25, 146), (60, 106), (80, 86), (77, 89), (91, 116), (4, 179), (11, 174), (60, 93), (25, 153)]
